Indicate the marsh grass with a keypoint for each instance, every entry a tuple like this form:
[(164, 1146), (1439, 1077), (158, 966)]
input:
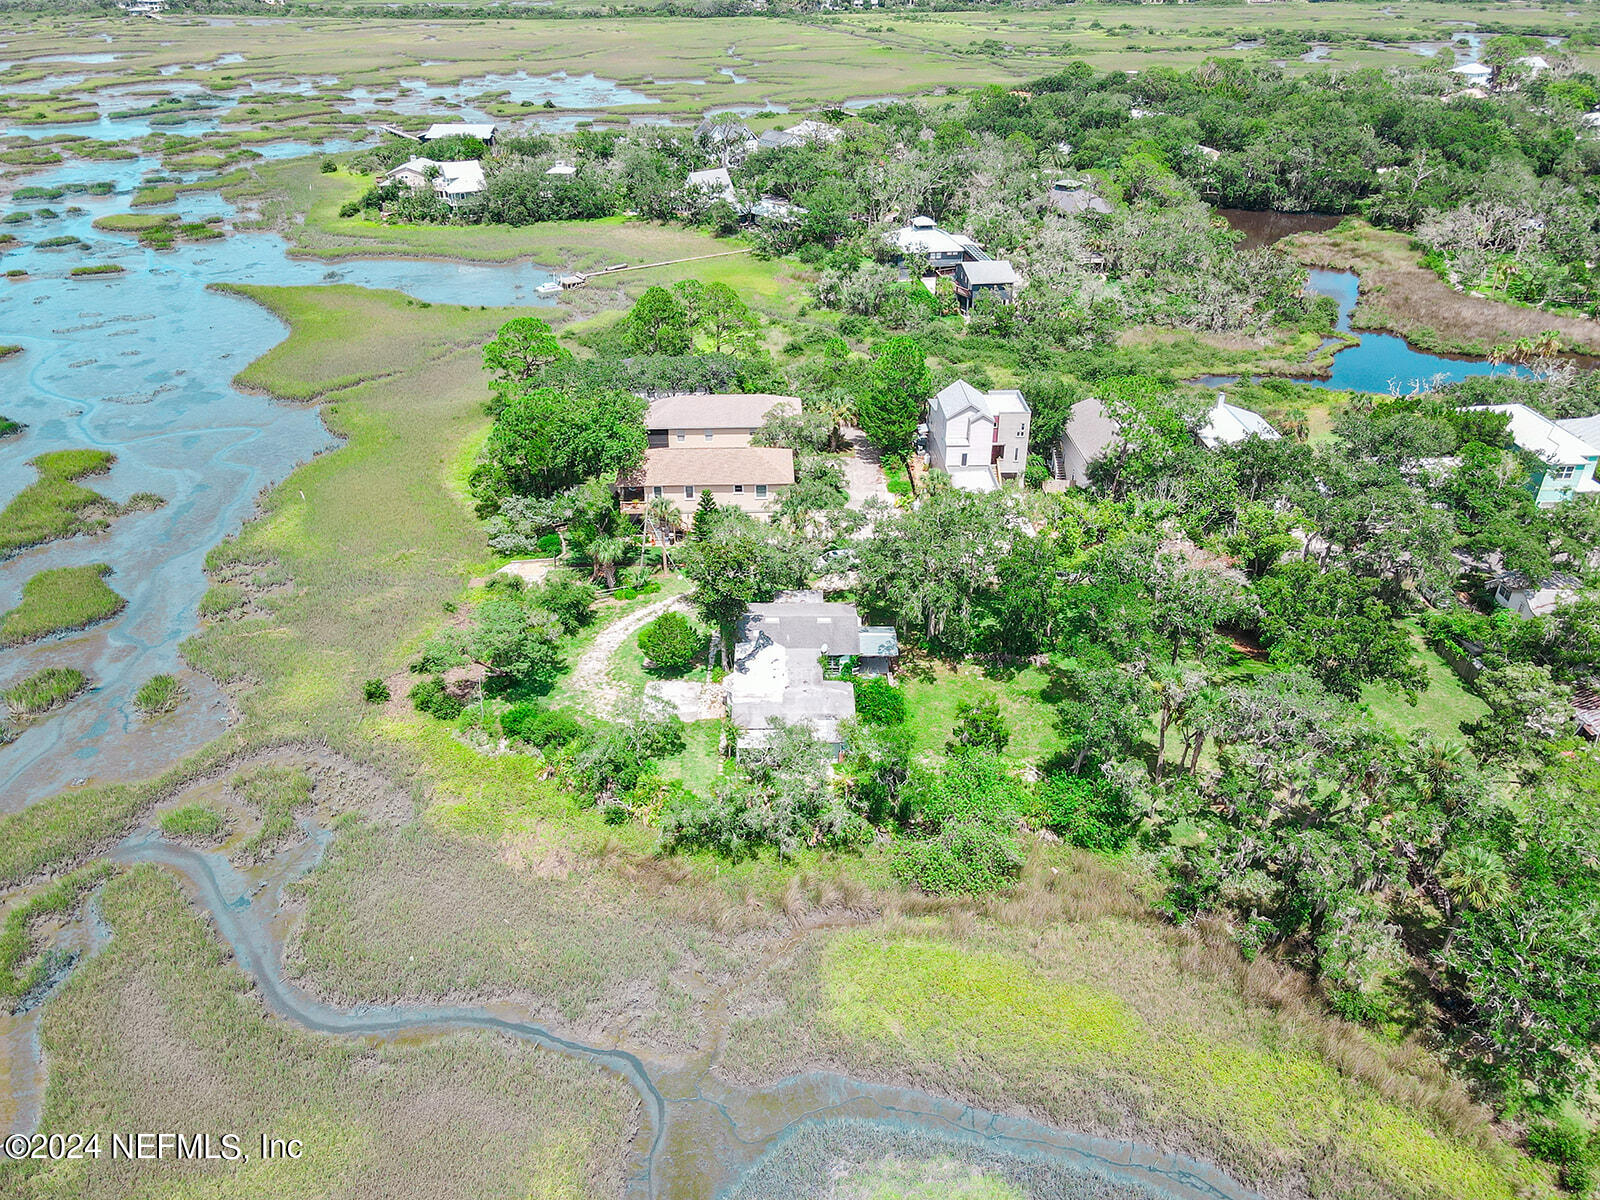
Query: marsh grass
[(60, 599), (223, 598), (276, 793), (43, 690), (55, 505), (158, 694), (21, 969), (192, 822), (161, 1030)]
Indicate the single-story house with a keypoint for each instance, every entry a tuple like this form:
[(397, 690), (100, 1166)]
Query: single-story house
[(1569, 460), (880, 647), (1473, 72), (809, 132), (690, 420), (924, 239), (483, 132), (561, 169), (1518, 592), (1088, 434), (979, 439), (1228, 424), (994, 278), (745, 477), (778, 671), (716, 184), (1072, 197)]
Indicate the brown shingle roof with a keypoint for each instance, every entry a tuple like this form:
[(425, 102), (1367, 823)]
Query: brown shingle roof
[(708, 466), (714, 412)]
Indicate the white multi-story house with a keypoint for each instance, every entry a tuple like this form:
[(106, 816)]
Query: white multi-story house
[(980, 439)]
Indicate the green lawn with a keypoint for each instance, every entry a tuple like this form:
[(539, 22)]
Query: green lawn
[(1439, 710), (933, 690)]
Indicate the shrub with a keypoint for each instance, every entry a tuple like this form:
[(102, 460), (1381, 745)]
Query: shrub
[(540, 727), (548, 545), (430, 697), (43, 690), (199, 821), (898, 487), (375, 691), (1569, 1146), (979, 726), (671, 643), (970, 858), (158, 694), (441, 653), (1090, 813), (568, 597), (879, 702), (329, 166)]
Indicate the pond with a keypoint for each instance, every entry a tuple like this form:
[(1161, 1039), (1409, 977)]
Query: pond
[(141, 364)]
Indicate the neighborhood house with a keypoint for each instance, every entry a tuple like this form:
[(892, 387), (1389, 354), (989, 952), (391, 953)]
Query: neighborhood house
[(1518, 592), (980, 439), (995, 279), (483, 132), (1228, 425), (1569, 460), (690, 421), (452, 182), (923, 239)]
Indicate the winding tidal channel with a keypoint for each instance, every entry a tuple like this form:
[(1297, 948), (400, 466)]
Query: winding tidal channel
[(698, 1136)]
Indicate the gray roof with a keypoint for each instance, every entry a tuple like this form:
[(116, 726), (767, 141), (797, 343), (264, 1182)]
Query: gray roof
[(995, 273), (1072, 198), (821, 627), (1089, 428), (1520, 581)]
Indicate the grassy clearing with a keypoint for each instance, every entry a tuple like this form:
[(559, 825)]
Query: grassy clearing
[(1400, 295), (43, 690), (934, 689), (57, 506), (1140, 1045), (1440, 710), (61, 599), (161, 1031), (192, 822), (276, 793), (158, 694)]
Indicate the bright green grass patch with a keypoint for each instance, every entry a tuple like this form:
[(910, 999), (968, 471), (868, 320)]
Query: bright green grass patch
[(473, 1114), (7, 351), (158, 694), (43, 690), (97, 269), (276, 793), (195, 821), (221, 599), (55, 505), (998, 1017), (134, 222), (9, 427), (933, 691), (60, 599), (16, 935), (1440, 709)]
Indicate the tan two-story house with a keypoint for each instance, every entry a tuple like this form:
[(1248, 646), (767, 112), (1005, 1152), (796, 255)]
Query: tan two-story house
[(701, 443)]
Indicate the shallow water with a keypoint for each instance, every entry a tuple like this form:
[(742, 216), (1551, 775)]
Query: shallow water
[(698, 1135), (141, 364)]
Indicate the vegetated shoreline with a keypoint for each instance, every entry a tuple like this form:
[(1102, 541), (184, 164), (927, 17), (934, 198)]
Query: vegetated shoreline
[(1462, 325)]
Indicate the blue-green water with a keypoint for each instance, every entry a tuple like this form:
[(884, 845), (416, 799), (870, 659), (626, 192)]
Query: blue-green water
[(140, 364)]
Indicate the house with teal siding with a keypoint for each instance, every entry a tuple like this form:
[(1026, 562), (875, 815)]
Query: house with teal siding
[(1569, 460)]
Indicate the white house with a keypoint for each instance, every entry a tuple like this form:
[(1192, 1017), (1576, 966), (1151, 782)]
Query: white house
[(1516, 591), (452, 182), (716, 184), (924, 239), (1473, 72), (1228, 424), (980, 439)]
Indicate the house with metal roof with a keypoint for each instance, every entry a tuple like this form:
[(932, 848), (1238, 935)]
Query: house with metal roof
[(994, 278), (1228, 424), (715, 184), (979, 439), (1088, 433), (452, 182), (1568, 460), (1073, 198), (1528, 597), (482, 131), (923, 239)]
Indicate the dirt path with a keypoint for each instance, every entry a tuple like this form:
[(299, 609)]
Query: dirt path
[(598, 691)]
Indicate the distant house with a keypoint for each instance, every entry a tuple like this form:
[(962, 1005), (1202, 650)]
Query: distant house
[(483, 132), (944, 251), (1534, 63), (745, 477), (1518, 592), (1569, 460), (561, 169), (715, 184), (1228, 424), (809, 132), (1088, 434), (452, 182), (778, 671), (689, 421), (1473, 73), (729, 140), (994, 278), (980, 439), (1073, 198)]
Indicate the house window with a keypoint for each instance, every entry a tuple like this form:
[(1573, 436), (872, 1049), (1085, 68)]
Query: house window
[(1015, 450), (963, 460), (738, 489), (655, 491), (710, 434), (681, 435), (761, 489), (1563, 473), (688, 491)]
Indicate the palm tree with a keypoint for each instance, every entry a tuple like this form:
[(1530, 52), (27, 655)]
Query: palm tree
[(605, 555), (662, 522), (1474, 878)]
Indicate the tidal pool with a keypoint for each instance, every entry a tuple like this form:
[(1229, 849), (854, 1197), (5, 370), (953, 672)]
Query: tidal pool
[(141, 364)]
